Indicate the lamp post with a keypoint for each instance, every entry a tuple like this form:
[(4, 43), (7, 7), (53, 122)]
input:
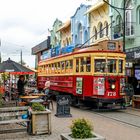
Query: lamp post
[(21, 56)]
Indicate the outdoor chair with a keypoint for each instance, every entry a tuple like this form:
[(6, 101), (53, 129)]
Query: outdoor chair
[(48, 101)]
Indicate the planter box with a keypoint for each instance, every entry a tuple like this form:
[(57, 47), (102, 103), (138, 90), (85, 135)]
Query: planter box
[(66, 136), (41, 122)]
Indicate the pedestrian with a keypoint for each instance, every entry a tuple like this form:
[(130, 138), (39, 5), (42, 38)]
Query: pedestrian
[(20, 85), (46, 88)]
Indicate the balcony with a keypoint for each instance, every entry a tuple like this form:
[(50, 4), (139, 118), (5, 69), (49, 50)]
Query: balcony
[(129, 30)]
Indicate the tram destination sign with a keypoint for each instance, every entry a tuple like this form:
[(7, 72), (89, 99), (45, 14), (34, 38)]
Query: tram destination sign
[(63, 106), (111, 46)]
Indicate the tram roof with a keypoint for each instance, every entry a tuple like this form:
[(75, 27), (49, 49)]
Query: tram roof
[(100, 47)]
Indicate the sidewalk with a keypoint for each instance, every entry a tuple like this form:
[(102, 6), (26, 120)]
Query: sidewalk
[(111, 130)]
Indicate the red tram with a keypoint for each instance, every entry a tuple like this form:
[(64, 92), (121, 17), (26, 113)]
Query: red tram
[(95, 73)]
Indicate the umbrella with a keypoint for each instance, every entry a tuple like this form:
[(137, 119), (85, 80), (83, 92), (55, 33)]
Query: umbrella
[(14, 68)]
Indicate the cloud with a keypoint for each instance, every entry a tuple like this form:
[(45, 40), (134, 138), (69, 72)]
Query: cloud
[(26, 22)]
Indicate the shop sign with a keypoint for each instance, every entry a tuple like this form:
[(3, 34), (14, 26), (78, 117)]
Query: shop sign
[(63, 106), (137, 54), (129, 65)]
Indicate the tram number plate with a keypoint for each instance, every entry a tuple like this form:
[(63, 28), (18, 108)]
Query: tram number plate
[(111, 94)]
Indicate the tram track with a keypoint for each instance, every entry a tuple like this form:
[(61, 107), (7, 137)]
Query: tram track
[(129, 121), (128, 117)]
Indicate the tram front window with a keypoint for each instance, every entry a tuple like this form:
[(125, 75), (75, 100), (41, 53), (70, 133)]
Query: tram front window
[(111, 64), (100, 65), (120, 66)]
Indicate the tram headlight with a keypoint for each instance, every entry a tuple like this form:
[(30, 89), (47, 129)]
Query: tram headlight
[(113, 86)]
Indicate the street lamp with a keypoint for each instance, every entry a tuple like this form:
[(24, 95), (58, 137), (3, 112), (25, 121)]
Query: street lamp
[(123, 19)]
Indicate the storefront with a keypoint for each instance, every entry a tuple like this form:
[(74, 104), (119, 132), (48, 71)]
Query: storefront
[(133, 62)]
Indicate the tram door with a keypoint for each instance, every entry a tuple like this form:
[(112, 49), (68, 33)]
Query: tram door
[(79, 85)]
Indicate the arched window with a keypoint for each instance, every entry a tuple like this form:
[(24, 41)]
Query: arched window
[(118, 27), (138, 15), (85, 36), (80, 33), (106, 28), (101, 30), (94, 33), (76, 40), (128, 15)]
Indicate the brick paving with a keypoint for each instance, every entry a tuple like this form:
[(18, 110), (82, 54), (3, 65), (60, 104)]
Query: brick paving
[(110, 129)]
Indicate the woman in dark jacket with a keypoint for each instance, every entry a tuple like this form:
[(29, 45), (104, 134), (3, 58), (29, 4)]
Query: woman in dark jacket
[(20, 85)]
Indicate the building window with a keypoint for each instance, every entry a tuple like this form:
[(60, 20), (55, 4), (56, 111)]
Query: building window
[(129, 26), (95, 33), (85, 36), (106, 28), (138, 15), (80, 32), (101, 30)]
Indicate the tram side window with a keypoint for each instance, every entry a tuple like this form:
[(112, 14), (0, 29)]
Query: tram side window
[(63, 65), (52, 70), (88, 64), (71, 64), (100, 65), (55, 67), (120, 66), (58, 67), (82, 64), (77, 65), (39, 69), (111, 65), (47, 69), (67, 64)]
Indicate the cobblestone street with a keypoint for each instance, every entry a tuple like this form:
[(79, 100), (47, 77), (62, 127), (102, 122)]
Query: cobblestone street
[(110, 129)]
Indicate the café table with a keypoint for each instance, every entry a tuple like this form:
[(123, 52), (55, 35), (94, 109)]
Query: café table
[(28, 98), (39, 94)]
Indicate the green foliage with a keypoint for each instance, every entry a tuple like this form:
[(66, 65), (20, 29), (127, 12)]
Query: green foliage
[(38, 107), (81, 128)]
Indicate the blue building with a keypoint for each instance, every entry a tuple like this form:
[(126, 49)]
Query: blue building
[(80, 26)]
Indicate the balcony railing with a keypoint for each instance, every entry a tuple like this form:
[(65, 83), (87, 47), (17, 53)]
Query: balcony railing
[(129, 30)]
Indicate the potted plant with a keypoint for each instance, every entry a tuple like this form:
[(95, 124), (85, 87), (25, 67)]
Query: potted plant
[(41, 119), (81, 129)]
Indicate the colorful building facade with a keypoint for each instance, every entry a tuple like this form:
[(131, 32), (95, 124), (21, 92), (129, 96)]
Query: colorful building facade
[(55, 35), (80, 26), (99, 22), (65, 34), (132, 32)]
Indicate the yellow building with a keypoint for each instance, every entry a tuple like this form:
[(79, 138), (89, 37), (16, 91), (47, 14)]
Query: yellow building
[(99, 20), (65, 34)]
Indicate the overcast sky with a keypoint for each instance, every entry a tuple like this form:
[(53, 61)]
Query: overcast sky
[(25, 23)]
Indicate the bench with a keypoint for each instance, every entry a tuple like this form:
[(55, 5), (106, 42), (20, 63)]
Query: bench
[(136, 101), (13, 116)]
